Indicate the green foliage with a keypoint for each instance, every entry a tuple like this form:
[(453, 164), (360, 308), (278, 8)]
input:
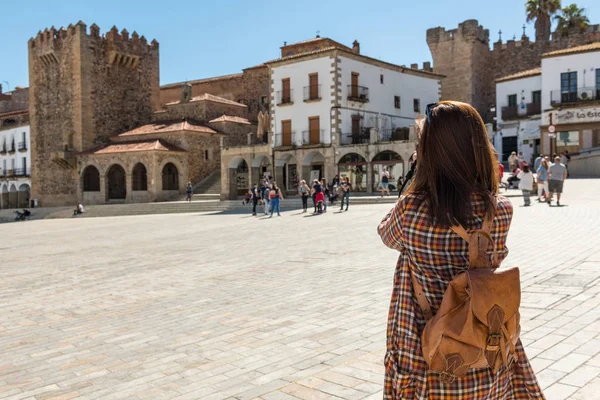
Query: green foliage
[(564, 137), (572, 18)]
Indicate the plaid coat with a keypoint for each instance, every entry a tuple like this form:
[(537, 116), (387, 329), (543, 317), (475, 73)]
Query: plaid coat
[(436, 254)]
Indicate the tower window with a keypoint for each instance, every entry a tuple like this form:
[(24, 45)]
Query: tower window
[(381, 79)]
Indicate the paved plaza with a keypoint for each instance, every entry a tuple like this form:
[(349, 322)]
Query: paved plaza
[(229, 306)]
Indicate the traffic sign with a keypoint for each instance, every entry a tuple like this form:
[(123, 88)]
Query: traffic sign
[(551, 129), (552, 135)]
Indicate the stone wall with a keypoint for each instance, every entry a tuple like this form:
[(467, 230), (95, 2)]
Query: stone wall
[(84, 87), (16, 100), (471, 67), (247, 88)]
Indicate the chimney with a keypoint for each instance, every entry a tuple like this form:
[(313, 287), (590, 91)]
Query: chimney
[(414, 66), (427, 66), (0, 88), (356, 47)]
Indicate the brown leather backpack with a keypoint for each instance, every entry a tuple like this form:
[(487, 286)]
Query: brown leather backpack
[(477, 324)]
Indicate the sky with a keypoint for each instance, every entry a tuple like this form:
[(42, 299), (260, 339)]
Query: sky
[(200, 38)]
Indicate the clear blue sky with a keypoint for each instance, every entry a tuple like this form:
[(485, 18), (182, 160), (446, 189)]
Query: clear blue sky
[(200, 38)]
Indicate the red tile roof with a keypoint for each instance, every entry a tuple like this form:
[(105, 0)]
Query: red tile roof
[(573, 50), (211, 97), (168, 126), (522, 74), (128, 147), (12, 113), (229, 118)]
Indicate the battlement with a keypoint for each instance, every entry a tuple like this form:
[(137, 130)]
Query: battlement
[(48, 41), (469, 30)]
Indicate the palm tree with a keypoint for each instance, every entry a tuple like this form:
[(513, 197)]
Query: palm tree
[(572, 18), (541, 11)]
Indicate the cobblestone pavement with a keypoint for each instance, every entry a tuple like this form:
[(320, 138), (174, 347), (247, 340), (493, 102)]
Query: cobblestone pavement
[(233, 306)]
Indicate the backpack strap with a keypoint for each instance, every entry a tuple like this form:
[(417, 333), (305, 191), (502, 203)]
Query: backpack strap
[(476, 247), (420, 295)]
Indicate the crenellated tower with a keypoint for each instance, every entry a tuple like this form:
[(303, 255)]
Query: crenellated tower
[(84, 87)]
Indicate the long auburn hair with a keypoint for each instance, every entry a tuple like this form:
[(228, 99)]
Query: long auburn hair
[(455, 162)]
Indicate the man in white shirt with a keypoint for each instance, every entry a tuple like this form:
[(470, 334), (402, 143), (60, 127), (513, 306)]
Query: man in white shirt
[(557, 175)]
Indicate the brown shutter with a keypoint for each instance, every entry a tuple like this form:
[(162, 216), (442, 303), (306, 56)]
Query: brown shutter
[(286, 132), (285, 94), (314, 130), (354, 84), (355, 126), (313, 82)]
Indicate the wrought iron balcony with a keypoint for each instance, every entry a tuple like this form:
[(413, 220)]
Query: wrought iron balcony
[(22, 146), (309, 137), (358, 93), (285, 97), (514, 112), (574, 96), (281, 140), (363, 136), (394, 135), (21, 172), (312, 92)]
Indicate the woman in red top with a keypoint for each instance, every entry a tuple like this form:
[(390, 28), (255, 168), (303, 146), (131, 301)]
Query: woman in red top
[(456, 182)]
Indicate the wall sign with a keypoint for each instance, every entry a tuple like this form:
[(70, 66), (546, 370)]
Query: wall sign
[(577, 116)]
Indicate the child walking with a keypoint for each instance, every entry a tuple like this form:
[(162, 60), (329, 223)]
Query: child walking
[(526, 183)]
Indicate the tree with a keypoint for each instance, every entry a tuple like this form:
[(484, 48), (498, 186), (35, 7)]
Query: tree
[(565, 137), (572, 18), (541, 11)]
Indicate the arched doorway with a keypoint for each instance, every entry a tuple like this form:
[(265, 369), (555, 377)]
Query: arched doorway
[(3, 196), (91, 179), (354, 166), (286, 172), (115, 182), (139, 178), (13, 197), (261, 168), (313, 166), (23, 195), (238, 177), (394, 164), (170, 177)]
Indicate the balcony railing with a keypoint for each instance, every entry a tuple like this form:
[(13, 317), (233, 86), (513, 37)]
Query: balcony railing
[(285, 97), (22, 146), (514, 112), (394, 135), (363, 136), (12, 149), (308, 135), (279, 142), (21, 172), (581, 94), (358, 93), (312, 92)]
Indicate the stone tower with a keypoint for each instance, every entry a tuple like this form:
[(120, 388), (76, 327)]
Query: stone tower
[(463, 56), (84, 88)]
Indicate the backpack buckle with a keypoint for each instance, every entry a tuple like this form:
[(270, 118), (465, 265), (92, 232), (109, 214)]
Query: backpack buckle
[(447, 377)]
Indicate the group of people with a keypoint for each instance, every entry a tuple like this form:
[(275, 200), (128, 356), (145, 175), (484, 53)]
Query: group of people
[(270, 195), (549, 177)]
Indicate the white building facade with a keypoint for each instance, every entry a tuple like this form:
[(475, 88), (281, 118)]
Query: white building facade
[(337, 112), (15, 160), (571, 100), (518, 114)]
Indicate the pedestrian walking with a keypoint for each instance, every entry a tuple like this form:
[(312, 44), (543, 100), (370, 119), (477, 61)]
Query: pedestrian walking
[(188, 191), (526, 183), (456, 187), (513, 161), (521, 160), (336, 181), (557, 173), (538, 162), (385, 181), (275, 197), (346, 186), (255, 193), (265, 197), (303, 191), (318, 197), (542, 179)]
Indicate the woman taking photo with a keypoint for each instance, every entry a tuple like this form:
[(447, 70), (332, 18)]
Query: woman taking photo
[(456, 182)]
